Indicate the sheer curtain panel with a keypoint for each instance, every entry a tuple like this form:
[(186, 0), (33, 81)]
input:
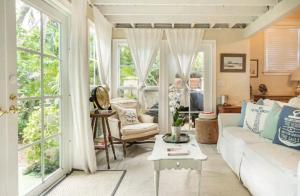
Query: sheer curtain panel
[(103, 45), (184, 45), (144, 44), (82, 143)]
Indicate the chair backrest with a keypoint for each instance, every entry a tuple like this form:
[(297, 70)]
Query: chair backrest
[(123, 103)]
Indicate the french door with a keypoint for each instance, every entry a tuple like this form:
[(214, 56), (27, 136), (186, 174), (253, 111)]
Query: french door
[(41, 98)]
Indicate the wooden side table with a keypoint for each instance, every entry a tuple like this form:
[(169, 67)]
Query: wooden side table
[(207, 131), (103, 116), (229, 109)]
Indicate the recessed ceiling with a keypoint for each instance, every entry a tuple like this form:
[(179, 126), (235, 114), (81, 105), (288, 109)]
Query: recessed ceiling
[(183, 13)]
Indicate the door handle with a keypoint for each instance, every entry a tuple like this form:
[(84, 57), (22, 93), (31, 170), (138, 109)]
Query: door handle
[(2, 112), (13, 109)]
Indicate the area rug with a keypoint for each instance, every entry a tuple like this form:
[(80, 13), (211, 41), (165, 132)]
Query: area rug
[(78, 183)]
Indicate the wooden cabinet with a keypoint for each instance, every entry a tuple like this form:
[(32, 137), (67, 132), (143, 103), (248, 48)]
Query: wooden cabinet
[(282, 98), (229, 109), (207, 131)]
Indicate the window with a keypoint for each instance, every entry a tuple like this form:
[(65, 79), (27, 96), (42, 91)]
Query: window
[(40, 54), (282, 50), (128, 80), (93, 59)]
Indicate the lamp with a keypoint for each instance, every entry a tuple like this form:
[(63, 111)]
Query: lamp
[(295, 76)]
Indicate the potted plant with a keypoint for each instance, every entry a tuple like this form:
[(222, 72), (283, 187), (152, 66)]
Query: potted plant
[(177, 118)]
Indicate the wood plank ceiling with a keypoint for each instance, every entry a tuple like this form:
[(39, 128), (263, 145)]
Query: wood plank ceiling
[(183, 13)]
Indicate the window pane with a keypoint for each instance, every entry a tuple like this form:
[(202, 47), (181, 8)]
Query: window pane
[(153, 76), (51, 77), (29, 121), (51, 117), (28, 26), (51, 36), (29, 162), (128, 93), (197, 71), (127, 68), (29, 74), (51, 156), (151, 99)]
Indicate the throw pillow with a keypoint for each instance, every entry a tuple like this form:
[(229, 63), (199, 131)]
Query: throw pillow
[(288, 130), (243, 113), (260, 102), (294, 102), (271, 122), (127, 116), (243, 110), (255, 117)]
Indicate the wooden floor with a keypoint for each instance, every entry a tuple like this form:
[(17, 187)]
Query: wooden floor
[(217, 178)]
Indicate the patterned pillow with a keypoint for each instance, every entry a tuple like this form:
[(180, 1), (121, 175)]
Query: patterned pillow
[(288, 129), (255, 117), (127, 116)]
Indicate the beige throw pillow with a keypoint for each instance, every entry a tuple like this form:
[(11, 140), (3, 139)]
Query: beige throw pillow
[(127, 116)]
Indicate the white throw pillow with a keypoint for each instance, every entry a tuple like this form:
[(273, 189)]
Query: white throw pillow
[(255, 117), (295, 102), (127, 116), (270, 102)]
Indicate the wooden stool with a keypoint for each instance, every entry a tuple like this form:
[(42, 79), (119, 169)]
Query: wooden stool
[(207, 131)]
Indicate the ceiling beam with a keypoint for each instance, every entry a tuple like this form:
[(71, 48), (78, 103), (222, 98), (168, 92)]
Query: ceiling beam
[(282, 9), (186, 10), (179, 19), (188, 2)]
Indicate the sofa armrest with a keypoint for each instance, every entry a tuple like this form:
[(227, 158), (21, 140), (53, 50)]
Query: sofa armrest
[(144, 118), (114, 125), (228, 120)]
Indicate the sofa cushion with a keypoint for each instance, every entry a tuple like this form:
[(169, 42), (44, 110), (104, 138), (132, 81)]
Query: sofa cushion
[(288, 130), (243, 113), (241, 135), (270, 126), (138, 128), (255, 117), (282, 158)]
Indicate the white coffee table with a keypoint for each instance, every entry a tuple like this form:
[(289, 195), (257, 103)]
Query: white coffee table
[(162, 161)]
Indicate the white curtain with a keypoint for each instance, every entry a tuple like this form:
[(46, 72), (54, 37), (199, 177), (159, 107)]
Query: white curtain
[(103, 45), (84, 157), (184, 45), (144, 44)]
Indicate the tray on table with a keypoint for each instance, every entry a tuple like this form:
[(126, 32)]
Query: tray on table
[(184, 138)]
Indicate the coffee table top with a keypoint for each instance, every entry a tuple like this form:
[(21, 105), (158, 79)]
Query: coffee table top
[(160, 150)]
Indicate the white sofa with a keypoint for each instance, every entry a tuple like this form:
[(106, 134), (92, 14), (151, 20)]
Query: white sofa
[(266, 169)]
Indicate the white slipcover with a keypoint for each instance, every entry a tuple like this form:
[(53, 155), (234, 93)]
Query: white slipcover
[(263, 167)]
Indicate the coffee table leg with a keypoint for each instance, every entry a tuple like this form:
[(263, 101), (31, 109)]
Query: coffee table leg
[(156, 181), (199, 181)]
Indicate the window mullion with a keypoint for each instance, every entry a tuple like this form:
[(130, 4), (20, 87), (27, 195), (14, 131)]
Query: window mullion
[(42, 99)]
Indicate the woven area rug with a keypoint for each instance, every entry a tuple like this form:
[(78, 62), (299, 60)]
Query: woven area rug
[(102, 183)]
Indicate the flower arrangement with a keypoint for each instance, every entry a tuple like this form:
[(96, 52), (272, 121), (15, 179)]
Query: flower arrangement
[(174, 107)]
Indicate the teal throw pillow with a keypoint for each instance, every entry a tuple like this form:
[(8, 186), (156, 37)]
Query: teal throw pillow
[(243, 113), (270, 126)]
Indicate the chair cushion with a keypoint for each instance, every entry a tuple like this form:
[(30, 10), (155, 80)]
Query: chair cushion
[(138, 128), (276, 156), (127, 116)]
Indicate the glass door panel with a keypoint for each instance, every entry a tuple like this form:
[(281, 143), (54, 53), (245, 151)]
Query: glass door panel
[(39, 96)]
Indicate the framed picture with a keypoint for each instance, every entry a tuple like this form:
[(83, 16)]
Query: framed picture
[(233, 62), (254, 68)]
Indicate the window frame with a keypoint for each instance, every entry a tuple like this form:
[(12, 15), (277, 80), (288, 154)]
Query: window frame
[(59, 15), (116, 84)]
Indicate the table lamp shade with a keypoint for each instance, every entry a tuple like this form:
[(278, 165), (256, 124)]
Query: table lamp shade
[(295, 76)]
